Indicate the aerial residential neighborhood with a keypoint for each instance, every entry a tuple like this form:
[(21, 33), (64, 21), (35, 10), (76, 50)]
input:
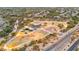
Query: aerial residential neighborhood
[(39, 29)]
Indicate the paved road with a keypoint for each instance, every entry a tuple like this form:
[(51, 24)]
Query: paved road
[(74, 45), (65, 38)]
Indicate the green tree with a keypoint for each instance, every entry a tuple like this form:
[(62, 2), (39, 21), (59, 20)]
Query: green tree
[(60, 26), (2, 34), (32, 43), (5, 31), (36, 48), (70, 24)]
